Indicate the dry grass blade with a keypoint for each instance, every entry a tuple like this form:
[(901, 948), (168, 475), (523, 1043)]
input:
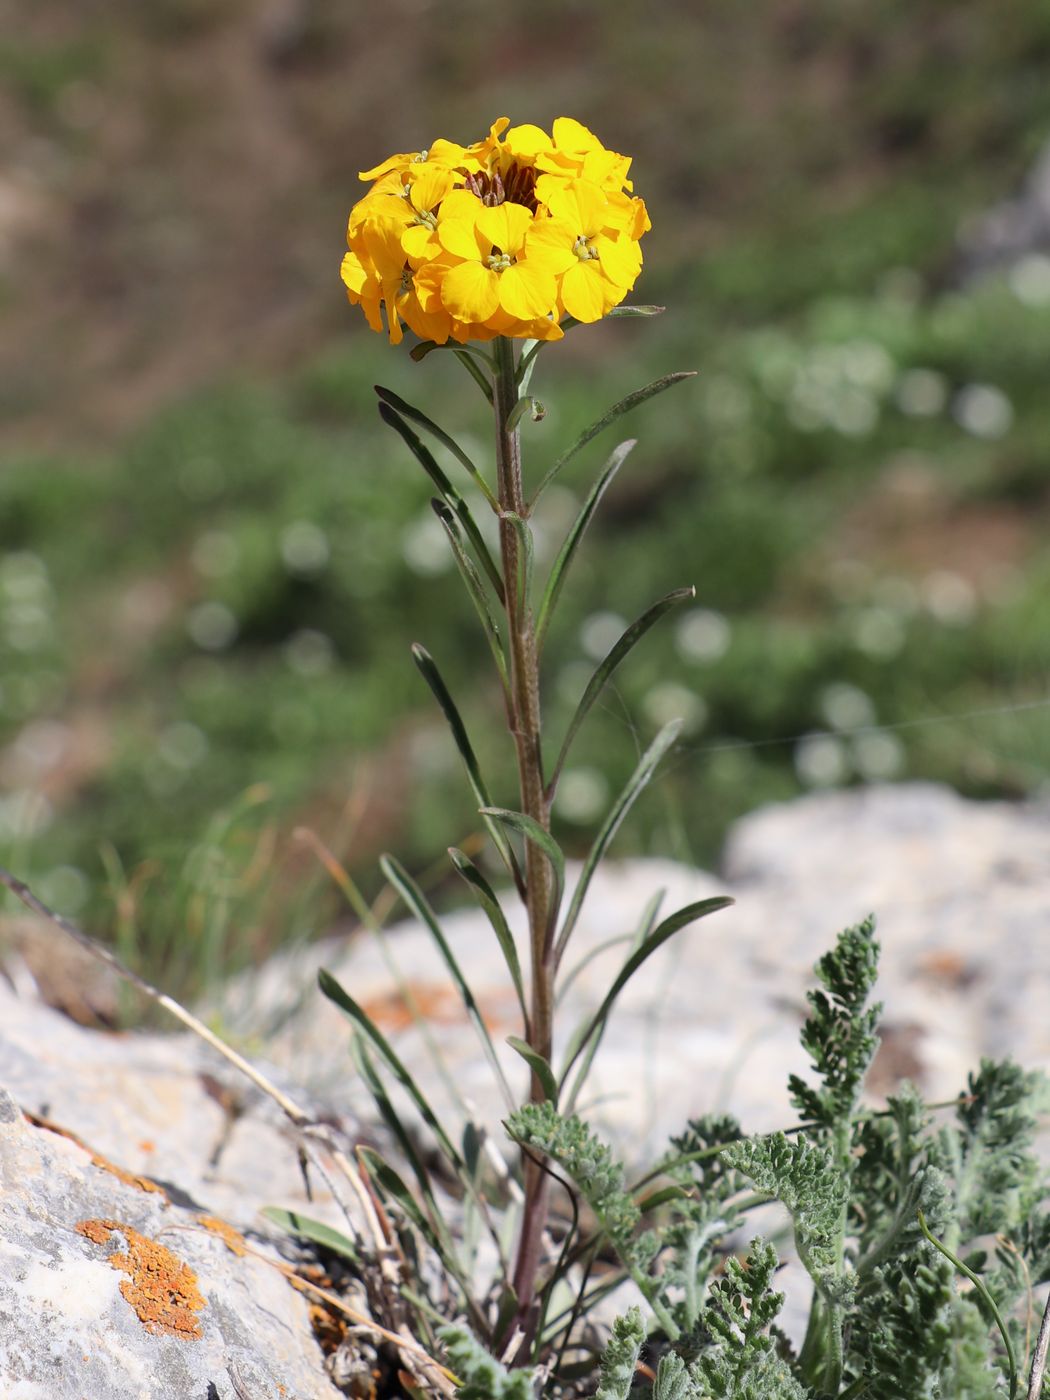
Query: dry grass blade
[(1035, 1380)]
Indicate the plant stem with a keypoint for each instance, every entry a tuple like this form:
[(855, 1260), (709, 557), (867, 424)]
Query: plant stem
[(525, 726)]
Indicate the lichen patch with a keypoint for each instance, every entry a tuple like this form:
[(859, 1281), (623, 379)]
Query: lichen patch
[(160, 1287), (233, 1239)]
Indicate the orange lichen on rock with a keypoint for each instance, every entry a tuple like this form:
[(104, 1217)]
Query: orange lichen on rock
[(233, 1239), (141, 1183), (160, 1287)]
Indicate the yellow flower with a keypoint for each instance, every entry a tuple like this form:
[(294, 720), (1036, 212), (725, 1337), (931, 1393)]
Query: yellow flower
[(500, 267), (502, 237), (606, 261)]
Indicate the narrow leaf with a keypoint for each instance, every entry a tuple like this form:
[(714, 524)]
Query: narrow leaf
[(526, 404), (627, 312), (433, 678), (523, 530), (304, 1228), (392, 1185), (560, 568), (532, 831), (409, 411), (603, 674), (636, 784), (539, 1066), (610, 416), (446, 490), (392, 1119), (486, 897), (475, 587), (417, 901), (342, 998), (667, 928)]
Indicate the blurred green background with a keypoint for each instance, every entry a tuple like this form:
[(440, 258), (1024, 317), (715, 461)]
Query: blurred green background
[(215, 558)]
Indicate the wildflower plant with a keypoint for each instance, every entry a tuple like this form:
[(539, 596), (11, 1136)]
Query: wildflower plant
[(492, 251)]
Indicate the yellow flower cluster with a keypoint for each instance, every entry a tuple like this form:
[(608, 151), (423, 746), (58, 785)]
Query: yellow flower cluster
[(504, 237)]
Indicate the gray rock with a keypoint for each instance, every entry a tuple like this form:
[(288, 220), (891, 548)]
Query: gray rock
[(110, 1291)]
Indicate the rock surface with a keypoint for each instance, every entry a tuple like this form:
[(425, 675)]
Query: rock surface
[(109, 1290), (962, 893)]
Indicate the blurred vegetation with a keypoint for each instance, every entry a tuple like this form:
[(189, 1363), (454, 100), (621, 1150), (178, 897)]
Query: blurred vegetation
[(210, 614)]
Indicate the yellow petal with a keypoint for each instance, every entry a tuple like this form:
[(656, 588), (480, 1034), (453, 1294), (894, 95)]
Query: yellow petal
[(582, 293), (621, 260), (526, 140), (419, 242), (571, 135), (527, 291), (458, 237), (550, 242), (429, 185), (470, 292), (504, 226)]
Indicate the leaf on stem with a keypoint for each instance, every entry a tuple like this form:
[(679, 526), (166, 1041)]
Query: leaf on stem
[(433, 678), (446, 491), (539, 1066), (409, 411), (475, 588), (560, 567), (523, 530), (532, 831), (636, 784), (417, 901), (342, 998), (591, 1036), (610, 416), (604, 672), (627, 312), (526, 404), (304, 1228), (486, 897)]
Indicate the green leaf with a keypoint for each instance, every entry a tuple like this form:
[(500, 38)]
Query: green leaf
[(417, 901), (627, 312), (635, 786), (599, 1176), (620, 1357), (667, 928), (603, 674), (342, 998), (486, 897), (532, 831), (539, 1066), (392, 1119), (560, 568), (304, 1228), (409, 411), (482, 1376), (475, 587), (392, 1186), (986, 1299), (433, 678), (526, 404), (610, 416), (447, 492), (523, 530)]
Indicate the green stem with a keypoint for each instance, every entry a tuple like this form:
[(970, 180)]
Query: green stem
[(525, 725)]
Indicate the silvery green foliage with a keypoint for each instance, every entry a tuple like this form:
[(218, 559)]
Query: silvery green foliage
[(840, 1032), (621, 1357), (889, 1320), (741, 1362), (802, 1176), (701, 1221), (482, 1376), (590, 1164)]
